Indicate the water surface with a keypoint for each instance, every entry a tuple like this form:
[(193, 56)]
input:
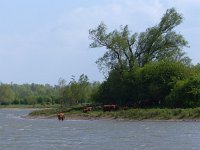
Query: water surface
[(18, 133)]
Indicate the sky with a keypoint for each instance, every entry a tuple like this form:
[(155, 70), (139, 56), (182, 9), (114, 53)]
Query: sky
[(44, 40)]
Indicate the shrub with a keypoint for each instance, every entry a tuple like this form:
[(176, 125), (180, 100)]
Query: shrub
[(186, 93)]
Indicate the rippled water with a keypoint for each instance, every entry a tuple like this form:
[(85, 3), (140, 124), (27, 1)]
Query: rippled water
[(17, 133)]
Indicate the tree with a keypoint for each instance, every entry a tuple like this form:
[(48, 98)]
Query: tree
[(6, 94), (186, 93), (155, 81), (142, 68), (78, 91), (83, 88), (144, 87), (72, 92), (126, 51), (111, 91), (61, 86)]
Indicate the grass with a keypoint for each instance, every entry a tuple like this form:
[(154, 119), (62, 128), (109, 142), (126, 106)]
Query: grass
[(130, 114), (55, 110), (158, 114), (20, 106)]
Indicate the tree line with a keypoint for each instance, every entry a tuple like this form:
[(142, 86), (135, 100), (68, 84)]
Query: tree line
[(74, 92)]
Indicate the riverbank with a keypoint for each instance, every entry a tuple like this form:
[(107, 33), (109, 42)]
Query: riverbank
[(76, 113), (27, 106)]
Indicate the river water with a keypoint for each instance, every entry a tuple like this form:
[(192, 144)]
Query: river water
[(18, 133)]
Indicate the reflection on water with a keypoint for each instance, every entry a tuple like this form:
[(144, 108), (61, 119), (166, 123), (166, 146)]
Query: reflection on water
[(30, 134)]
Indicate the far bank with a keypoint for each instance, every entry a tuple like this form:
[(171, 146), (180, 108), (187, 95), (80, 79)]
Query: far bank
[(76, 113)]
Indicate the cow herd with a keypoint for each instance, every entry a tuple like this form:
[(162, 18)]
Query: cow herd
[(105, 108)]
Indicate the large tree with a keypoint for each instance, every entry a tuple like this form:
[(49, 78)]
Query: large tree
[(126, 51)]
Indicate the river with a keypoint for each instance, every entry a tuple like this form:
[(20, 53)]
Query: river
[(18, 133)]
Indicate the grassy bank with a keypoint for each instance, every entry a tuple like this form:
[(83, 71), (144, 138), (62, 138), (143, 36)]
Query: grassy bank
[(158, 114), (27, 106), (130, 114)]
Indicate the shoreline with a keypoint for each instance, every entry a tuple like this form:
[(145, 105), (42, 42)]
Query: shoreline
[(89, 118), (132, 114), (70, 117), (112, 119)]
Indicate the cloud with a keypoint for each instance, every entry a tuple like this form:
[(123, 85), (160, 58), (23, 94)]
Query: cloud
[(113, 14), (186, 2)]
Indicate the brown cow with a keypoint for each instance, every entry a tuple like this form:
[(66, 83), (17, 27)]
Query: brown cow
[(86, 110), (110, 107), (61, 116)]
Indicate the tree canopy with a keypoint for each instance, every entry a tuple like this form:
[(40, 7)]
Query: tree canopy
[(126, 50)]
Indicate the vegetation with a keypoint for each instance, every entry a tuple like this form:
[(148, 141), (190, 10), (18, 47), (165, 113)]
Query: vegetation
[(28, 94), (76, 112), (146, 70), (128, 51), (74, 92)]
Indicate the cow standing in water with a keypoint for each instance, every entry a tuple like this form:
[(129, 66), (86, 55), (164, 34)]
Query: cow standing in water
[(61, 116)]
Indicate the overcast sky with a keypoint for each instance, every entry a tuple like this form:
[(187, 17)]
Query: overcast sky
[(43, 40)]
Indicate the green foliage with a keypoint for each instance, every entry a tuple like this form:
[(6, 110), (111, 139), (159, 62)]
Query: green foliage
[(78, 91), (147, 69), (6, 94), (131, 114), (28, 94), (186, 93), (158, 114), (127, 51), (115, 90), (45, 112), (143, 87), (155, 81), (64, 94)]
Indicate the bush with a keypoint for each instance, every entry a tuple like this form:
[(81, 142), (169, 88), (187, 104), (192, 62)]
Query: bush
[(157, 79), (143, 87), (186, 93), (16, 102)]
